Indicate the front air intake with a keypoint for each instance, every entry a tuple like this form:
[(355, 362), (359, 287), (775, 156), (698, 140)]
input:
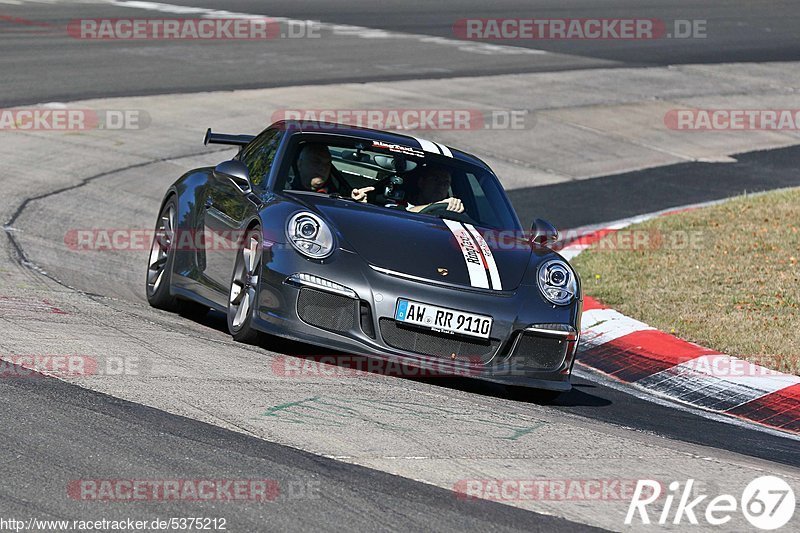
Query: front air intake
[(326, 310)]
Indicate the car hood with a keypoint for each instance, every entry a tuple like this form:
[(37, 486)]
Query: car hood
[(427, 247)]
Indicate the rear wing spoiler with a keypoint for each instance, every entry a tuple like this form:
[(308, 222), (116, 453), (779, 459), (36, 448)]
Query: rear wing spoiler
[(225, 138)]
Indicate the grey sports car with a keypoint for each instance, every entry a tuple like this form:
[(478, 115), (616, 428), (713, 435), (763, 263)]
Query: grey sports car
[(373, 243)]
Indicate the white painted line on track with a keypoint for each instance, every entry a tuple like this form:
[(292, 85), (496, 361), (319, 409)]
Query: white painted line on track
[(342, 30)]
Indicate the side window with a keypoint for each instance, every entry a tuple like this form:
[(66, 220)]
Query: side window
[(260, 155)]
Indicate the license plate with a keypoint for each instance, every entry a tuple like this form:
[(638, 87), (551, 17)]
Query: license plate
[(442, 319)]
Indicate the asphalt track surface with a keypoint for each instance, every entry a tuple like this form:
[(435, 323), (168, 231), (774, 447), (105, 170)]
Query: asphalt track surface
[(49, 428), (737, 31), (595, 201), (629, 194), (72, 426), (40, 62)]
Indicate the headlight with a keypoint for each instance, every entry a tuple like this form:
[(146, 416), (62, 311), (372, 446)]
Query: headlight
[(310, 235), (557, 282)]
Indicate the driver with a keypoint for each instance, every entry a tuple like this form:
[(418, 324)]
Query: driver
[(314, 170), (433, 187)]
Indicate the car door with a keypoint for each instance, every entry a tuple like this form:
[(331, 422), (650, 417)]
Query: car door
[(228, 209), (226, 212)]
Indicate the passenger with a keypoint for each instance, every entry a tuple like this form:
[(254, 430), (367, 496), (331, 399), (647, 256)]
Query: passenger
[(314, 169), (433, 187)]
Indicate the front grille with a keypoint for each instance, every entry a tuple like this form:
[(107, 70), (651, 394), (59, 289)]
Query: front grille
[(431, 343), (327, 311), (540, 353)]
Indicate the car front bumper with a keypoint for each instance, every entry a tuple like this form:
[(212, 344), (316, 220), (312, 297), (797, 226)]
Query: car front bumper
[(532, 342)]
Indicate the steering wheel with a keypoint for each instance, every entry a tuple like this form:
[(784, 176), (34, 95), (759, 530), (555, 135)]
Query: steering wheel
[(377, 196), (440, 208)]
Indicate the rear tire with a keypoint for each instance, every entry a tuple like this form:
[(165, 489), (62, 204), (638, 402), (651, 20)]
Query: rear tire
[(162, 257), (159, 268), (244, 289)]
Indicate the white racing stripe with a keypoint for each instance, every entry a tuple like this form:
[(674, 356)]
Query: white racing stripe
[(433, 147), (478, 276), (427, 145), (445, 150), (481, 266), (494, 273)]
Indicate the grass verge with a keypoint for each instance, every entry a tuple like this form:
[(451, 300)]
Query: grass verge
[(726, 276)]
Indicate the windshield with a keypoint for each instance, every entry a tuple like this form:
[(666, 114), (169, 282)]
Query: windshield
[(402, 178)]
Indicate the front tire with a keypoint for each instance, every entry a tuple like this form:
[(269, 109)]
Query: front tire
[(244, 289)]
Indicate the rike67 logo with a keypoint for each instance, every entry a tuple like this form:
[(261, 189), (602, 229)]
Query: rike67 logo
[(768, 503)]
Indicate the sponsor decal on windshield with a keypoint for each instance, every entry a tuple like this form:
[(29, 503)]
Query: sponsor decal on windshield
[(399, 148)]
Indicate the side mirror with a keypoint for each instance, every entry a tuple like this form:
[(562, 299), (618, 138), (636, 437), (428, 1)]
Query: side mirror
[(543, 233), (237, 172)]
